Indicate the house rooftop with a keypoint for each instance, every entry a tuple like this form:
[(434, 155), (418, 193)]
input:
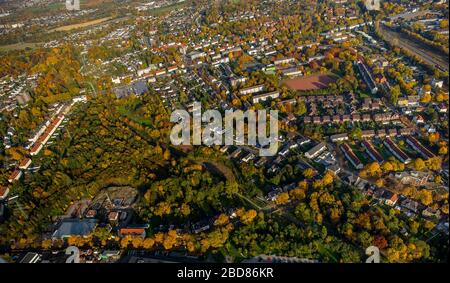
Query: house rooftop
[(3, 192)]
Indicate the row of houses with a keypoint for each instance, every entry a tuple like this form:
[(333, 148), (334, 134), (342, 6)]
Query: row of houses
[(367, 77), (284, 61), (44, 127), (264, 96), (15, 175), (239, 153), (396, 151), (259, 97), (42, 140), (291, 72), (379, 117), (390, 145), (252, 89), (316, 150), (408, 206), (351, 156), (379, 133), (409, 101), (4, 191), (321, 98), (370, 104), (416, 145), (25, 163), (152, 72), (43, 137), (197, 56), (372, 152), (234, 81)]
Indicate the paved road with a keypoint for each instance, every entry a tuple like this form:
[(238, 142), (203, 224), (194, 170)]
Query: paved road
[(428, 54), (411, 15)]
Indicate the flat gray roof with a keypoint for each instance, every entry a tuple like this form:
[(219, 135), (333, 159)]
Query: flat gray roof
[(75, 227)]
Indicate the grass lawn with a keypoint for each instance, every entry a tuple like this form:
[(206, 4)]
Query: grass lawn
[(168, 8), (385, 153), (43, 9), (361, 154), (82, 25), (362, 94), (134, 117), (408, 150), (20, 46)]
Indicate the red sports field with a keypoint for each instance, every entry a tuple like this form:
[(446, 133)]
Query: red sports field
[(310, 83)]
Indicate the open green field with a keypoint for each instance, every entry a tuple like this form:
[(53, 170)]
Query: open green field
[(168, 8), (20, 46), (43, 9), (61, 5), (136, 118), (82, 25)]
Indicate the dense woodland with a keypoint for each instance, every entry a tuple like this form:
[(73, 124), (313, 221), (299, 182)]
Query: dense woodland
[(109, 142)]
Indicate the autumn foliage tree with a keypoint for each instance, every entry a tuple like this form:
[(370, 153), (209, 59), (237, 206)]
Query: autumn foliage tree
[(282, 198), (246, 216)]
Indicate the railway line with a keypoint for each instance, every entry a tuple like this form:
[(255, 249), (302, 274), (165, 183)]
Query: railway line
[(432, 57)]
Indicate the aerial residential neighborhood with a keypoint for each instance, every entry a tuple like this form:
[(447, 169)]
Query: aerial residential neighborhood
[(360, 89)]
